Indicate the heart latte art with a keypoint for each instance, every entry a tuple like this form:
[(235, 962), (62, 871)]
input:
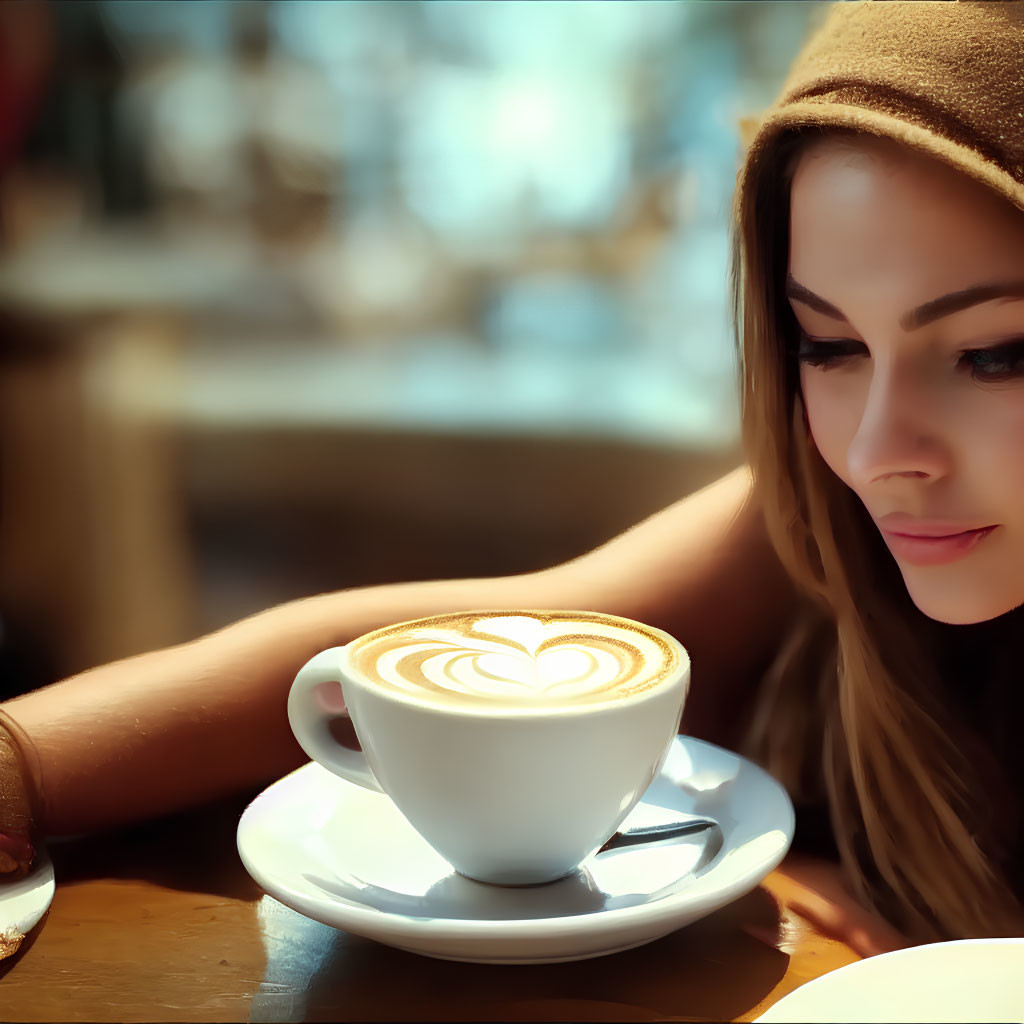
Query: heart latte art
[(521, 658)]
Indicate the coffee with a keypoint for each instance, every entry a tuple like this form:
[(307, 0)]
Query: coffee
[(526, 658), (515, 741)]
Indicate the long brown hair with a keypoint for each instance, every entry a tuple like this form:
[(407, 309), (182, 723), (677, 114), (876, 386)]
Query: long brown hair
[(871, 707)]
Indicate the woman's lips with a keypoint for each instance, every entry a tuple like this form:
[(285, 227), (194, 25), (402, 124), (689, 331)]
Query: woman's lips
[(934, 550)]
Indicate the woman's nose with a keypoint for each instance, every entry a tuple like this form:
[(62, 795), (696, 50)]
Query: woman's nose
[(900, 431)]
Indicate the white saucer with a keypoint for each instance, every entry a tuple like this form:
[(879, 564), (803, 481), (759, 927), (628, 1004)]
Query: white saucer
[(23, 903), (965, 980), (347, 857)]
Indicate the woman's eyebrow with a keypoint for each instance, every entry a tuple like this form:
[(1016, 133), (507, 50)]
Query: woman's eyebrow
[(930, 311)]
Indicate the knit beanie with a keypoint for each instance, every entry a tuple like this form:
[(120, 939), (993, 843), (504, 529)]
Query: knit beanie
[(942, 76)]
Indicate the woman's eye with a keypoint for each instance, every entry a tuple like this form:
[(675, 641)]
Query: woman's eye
[(1000, 362), (997, 363), (826, 353)]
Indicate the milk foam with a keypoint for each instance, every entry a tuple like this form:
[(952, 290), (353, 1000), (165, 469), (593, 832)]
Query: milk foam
[(531, 658)]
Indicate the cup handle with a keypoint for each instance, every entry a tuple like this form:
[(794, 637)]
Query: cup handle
[(309, 720)]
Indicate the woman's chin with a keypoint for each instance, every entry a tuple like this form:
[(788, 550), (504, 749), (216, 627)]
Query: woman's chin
[(957, 605)]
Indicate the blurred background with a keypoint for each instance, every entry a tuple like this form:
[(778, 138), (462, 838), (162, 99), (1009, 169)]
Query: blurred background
[(299, 296)]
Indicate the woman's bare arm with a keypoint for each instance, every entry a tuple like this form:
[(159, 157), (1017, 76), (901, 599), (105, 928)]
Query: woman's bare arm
[(161, 731), (704, 570)]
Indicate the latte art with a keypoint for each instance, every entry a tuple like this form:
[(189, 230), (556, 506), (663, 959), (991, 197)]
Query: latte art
[(521, 658)]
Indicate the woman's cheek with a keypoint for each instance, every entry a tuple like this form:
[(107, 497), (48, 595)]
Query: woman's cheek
[(831, 421)]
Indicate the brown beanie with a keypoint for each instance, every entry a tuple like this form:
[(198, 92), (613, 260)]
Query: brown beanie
[(943, 76)]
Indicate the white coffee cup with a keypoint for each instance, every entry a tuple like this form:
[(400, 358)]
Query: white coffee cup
[(514, 741)]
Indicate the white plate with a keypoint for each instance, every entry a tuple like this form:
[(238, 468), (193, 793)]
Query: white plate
[(23, 903), (347, 857), (967, 980)]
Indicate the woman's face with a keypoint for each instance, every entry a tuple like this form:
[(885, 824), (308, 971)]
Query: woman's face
[(914, 397)]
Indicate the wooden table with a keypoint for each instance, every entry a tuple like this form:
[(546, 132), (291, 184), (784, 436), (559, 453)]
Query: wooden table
[(163, 923)]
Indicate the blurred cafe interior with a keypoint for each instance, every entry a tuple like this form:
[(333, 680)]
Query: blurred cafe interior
[(301, 296)]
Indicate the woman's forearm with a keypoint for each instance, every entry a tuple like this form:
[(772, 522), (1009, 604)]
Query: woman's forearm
[(161, 731)]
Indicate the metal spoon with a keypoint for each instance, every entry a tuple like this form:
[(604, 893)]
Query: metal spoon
[(653, 833)]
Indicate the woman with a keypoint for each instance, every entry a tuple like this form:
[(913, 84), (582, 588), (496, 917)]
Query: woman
[(861, 675), (879, 289)]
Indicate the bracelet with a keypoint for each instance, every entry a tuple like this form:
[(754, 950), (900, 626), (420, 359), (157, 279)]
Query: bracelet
[(19, 800)]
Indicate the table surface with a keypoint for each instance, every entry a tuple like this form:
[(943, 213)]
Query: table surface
[(162, 922)]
